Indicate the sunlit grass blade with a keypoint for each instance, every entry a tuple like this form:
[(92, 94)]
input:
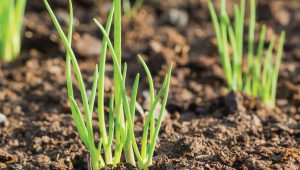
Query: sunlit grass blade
[(152, 94), (111, 122), (79, 122), (133, 96), (250, 56), (68, 70), (128, 151), (277, 67), (145, 147), (258, 61), (267, 62), (11, 19), (94, 90), (160, 118), (106, 141)]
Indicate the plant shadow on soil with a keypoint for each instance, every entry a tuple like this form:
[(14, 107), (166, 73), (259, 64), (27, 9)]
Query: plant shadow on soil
[(207, 127)]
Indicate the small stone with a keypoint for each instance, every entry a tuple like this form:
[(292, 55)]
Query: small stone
[(86, 45), (200, 110), (256, 121), (63, 17), (2, 166), (282, 15), (43, 158), (45, 139), (16, 167), (3, 118), (178, 17), (156, 46)]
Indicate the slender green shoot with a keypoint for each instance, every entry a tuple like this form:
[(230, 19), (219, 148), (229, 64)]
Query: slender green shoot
[(11, 19), (261, 74)]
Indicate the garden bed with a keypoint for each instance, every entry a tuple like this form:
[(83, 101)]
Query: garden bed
[(207, 127)]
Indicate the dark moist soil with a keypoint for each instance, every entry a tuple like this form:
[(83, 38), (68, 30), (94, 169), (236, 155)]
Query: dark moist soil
[(207, 127)]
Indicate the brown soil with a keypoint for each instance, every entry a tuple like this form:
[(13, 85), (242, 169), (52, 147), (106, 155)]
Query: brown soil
[(208, 127)]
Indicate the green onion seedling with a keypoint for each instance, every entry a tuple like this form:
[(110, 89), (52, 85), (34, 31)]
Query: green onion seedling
[(261, 74), (11, 18), (120, 132)]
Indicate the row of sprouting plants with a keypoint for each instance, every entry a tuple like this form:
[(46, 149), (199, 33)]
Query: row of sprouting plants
[(117, 137)]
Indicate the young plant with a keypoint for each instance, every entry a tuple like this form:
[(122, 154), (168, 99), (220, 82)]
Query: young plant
[(130, 10), (11, 18), (121, 126), (261, 74)]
